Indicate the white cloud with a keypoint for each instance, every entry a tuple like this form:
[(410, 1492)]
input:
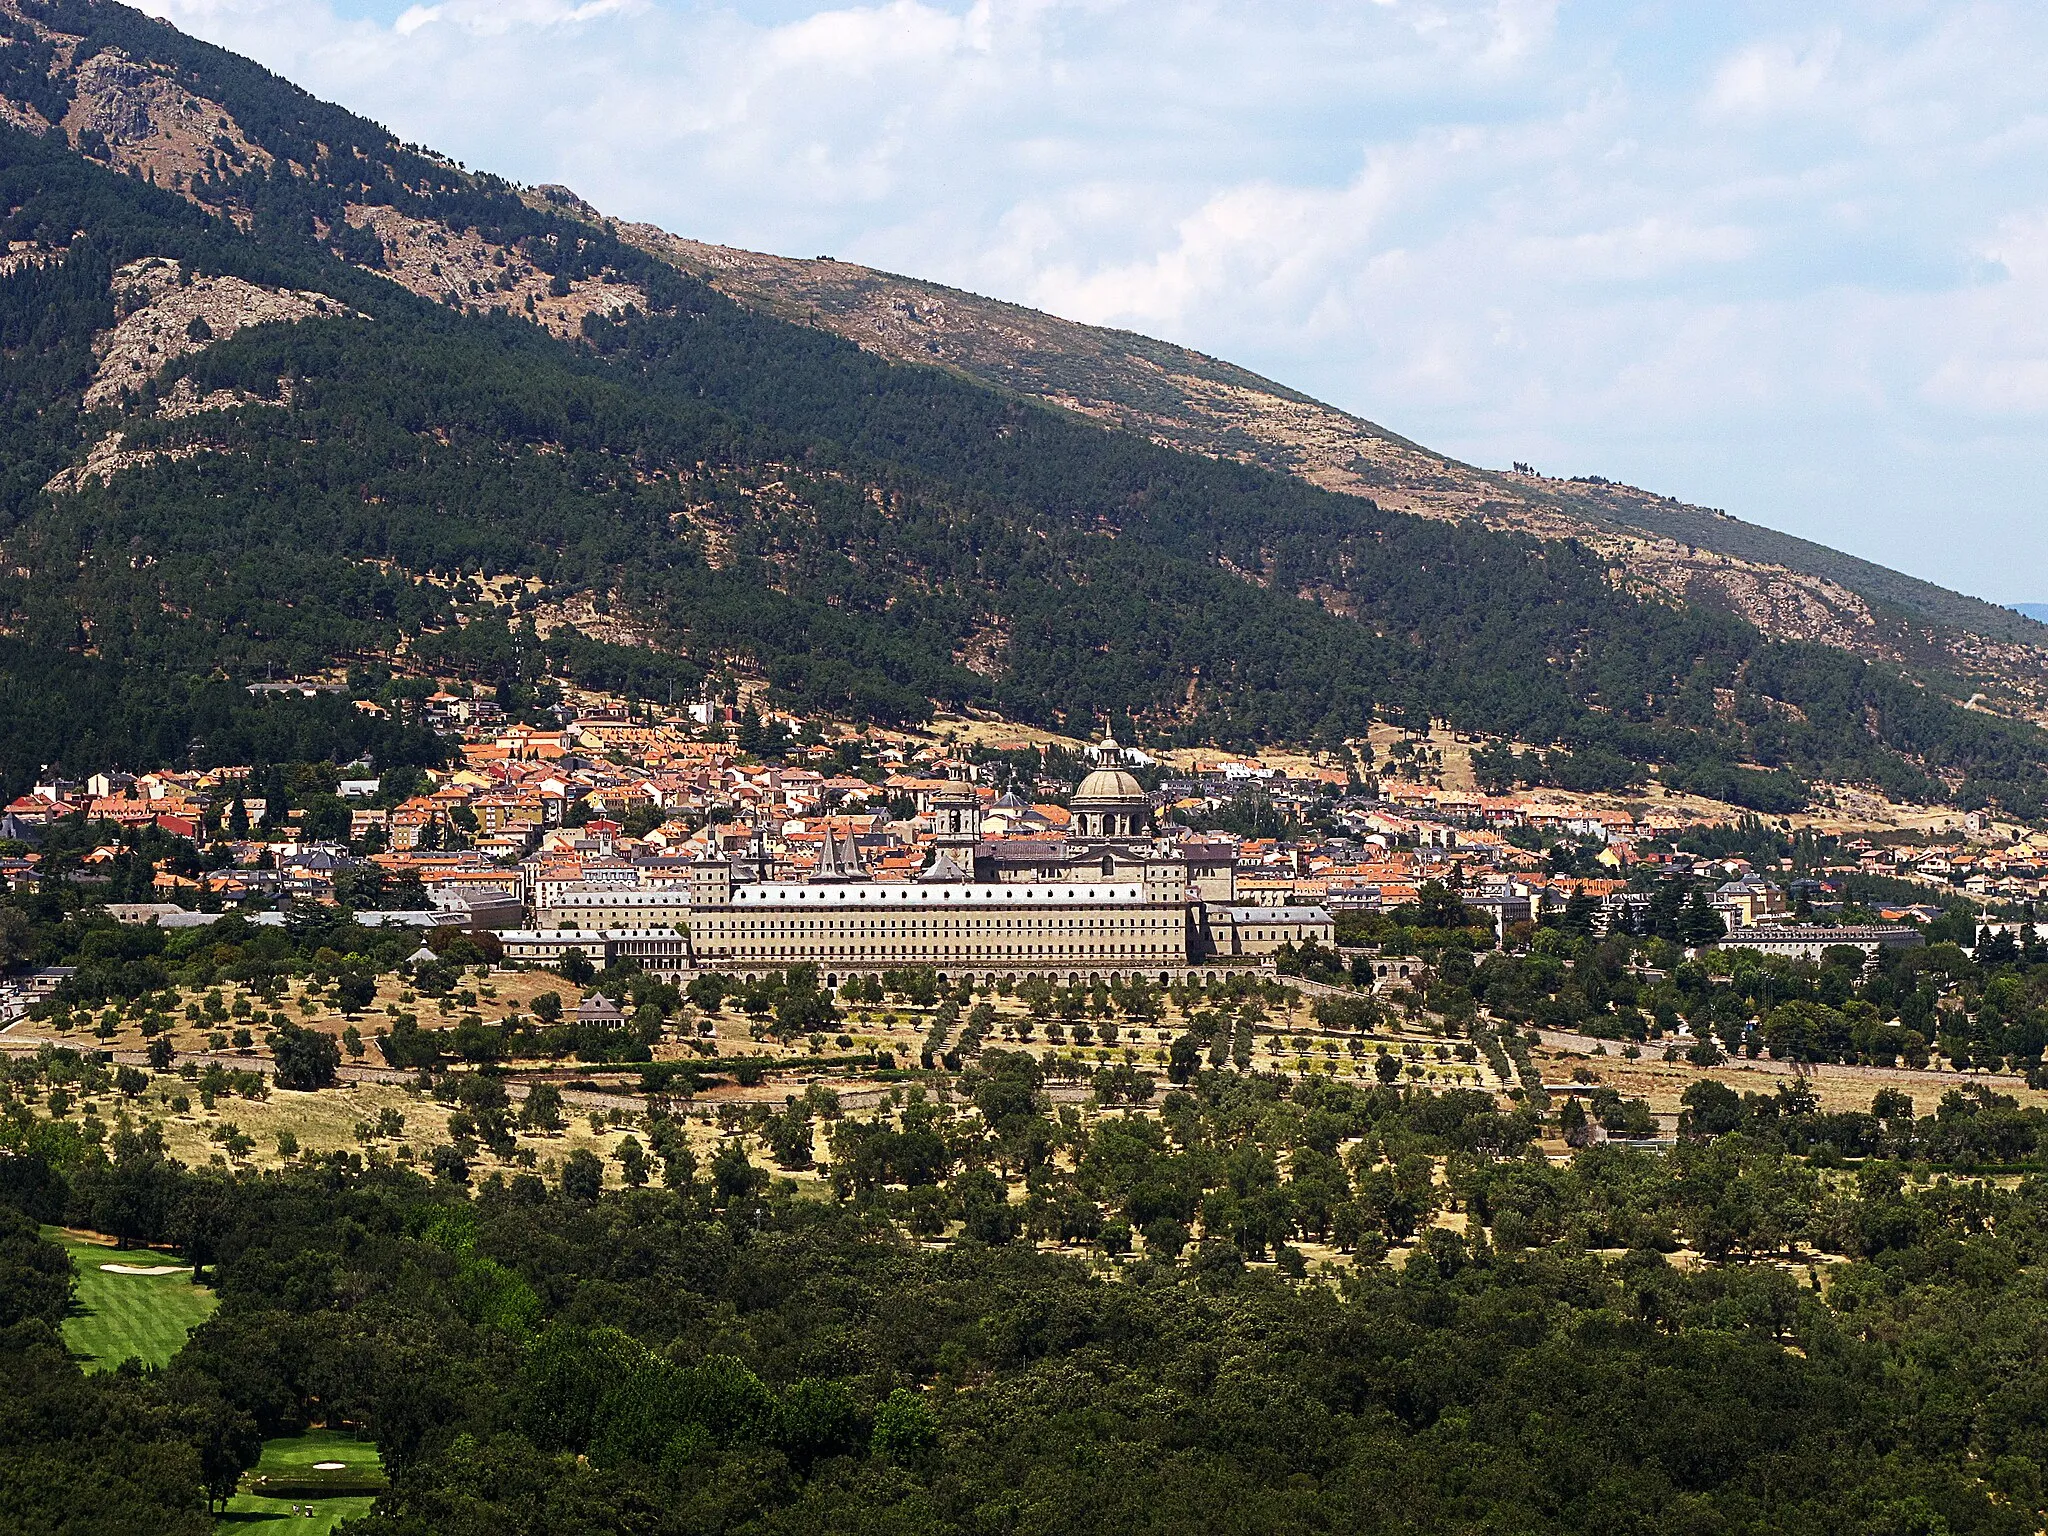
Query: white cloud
[(864, 42), (1992, 386), (1991, 360), (1794, 265), (1262, 245), (1649, 247), (1774, 76), (493, 18)]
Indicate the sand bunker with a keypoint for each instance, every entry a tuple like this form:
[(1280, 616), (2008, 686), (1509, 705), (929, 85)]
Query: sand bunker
[(147, 1269), (330, 1466)]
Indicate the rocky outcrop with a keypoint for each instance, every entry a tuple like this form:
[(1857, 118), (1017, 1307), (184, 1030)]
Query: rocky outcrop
[(183, 399), (134, 115), (461, 268), (137, 117), (111, 455), (22, 254), (19, 114), (171, 314)]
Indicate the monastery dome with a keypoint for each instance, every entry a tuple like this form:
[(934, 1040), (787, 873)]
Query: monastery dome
[(1111, 785)]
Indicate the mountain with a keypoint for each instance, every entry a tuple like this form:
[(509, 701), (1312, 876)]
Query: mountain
[(1789, 587), (280, 396)]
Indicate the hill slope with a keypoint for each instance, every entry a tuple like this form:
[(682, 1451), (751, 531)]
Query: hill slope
[(1789, 587), (280, 393)]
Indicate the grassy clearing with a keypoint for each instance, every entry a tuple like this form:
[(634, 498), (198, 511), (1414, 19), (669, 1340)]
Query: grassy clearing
[(505, 993), (116, 1316), (322, 1122), (1837, 1086), (300, 1503)]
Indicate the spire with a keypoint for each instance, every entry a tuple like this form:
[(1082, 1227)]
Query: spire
[(944, 871), (838, 858)]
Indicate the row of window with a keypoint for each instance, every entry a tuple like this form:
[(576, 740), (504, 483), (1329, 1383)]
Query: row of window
[(715, 926), (961, 951)]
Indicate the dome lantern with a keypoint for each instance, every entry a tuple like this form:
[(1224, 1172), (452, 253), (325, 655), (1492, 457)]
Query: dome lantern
[(1111, 804)]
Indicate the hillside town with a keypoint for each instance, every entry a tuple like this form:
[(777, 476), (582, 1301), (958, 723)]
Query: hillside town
[(696, 840)]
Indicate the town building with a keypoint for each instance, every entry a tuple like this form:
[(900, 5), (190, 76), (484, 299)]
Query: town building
[(963, 927), (1808, 943), (663, 951), (576, 904), (1747, 903), (1261, 931)]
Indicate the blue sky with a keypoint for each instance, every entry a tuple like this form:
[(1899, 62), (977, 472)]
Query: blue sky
[(1791, 261)]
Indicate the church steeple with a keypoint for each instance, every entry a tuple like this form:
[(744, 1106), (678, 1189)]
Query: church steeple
[(838, 859)]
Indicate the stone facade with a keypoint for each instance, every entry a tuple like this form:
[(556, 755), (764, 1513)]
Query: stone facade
[(965, 927)]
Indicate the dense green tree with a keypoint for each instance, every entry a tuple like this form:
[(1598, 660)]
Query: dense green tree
[(582, 1175), (305, 1059), (35, 1276)]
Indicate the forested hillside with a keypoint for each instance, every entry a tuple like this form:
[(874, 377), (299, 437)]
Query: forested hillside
[(322, 399), (714, 1352), (1794, 588)]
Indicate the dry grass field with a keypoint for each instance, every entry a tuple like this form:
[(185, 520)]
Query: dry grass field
[(1837, 1087), (397, 1121)]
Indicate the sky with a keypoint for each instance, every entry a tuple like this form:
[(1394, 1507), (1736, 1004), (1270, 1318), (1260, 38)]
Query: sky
[(1788, 261)]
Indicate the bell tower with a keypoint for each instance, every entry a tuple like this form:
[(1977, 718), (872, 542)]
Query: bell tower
[(956, 823)]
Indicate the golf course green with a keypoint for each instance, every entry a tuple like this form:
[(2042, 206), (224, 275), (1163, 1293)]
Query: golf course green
[(119, 1314), (306, 1485)]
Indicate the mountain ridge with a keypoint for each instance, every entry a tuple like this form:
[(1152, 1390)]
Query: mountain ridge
[(1831, 596), (1322, 443)]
